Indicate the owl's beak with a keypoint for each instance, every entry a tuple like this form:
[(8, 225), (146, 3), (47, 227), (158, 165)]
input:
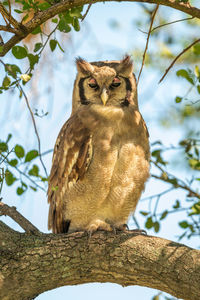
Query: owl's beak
[(104, 96)]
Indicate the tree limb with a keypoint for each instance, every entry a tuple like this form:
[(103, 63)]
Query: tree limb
[(42, 16), (6, 210), (49, 261)]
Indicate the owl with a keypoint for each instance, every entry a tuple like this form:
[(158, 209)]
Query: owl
[(101, 156)]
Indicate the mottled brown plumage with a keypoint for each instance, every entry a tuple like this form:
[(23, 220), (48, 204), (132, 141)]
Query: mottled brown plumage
[(101, 157)]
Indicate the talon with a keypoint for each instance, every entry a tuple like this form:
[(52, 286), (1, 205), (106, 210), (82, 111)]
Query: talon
[(139, 231)]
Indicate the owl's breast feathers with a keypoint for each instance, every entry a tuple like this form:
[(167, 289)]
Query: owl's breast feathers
[(76, 147)]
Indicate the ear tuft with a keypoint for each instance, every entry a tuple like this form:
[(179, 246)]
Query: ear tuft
[(83, 66), (125, 67)]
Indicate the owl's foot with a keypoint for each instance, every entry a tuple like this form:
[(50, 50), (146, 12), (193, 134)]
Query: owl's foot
[(98, 225)]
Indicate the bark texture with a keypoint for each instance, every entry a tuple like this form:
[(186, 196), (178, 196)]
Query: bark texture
[(41, 17), (32, 264)]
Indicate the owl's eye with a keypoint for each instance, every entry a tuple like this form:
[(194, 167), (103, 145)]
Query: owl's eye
[(93, 84), (116, 82)]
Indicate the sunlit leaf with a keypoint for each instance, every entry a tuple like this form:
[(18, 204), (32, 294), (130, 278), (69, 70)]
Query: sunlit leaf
[(25, 77), (6, 81)]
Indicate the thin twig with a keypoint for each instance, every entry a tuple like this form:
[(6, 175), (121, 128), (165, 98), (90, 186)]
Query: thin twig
[(6, 210), (147, 42), (178, 185), (166, 24), (177, 57), (85, 14), (35, 128)]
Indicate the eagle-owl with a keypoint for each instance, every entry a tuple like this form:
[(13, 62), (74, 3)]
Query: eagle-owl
[(101, 156)]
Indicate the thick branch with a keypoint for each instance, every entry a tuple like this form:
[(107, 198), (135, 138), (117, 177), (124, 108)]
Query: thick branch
[(33, 264), (42, 16)]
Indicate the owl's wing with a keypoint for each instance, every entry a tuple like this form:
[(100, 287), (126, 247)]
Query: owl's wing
[(71, 158)]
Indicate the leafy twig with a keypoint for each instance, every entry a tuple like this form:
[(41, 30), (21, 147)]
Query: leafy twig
[(179, 183), (177, 57), (147, 42), (6, 210)]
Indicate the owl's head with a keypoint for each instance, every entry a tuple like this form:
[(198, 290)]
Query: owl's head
[(108, 83)]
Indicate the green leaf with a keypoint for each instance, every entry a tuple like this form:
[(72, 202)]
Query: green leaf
[(3, 147), (20, 191), (196, 49), (12, 70), (76, 12), (177, 204), (19, 52), (37, 47), (1, 49), (76, 24), (198, 88), (13, 162), (149, 223), (144, 213), (185, 74), (53, 44), (60, 47), (156, 226), (178, 99), (9, 137), (164, 214), (36, 30), (18, 11), (183, 224), (19, 151), (44, 6), (33, 188), (33, 59), (31, 155), (63, 26), (55, 20), (6, 81), (34, 171), (196, 71), (9, 177)]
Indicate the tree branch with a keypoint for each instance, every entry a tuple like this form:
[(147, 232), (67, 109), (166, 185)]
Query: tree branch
[(49, 261), (6, 210), (42, 16)]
